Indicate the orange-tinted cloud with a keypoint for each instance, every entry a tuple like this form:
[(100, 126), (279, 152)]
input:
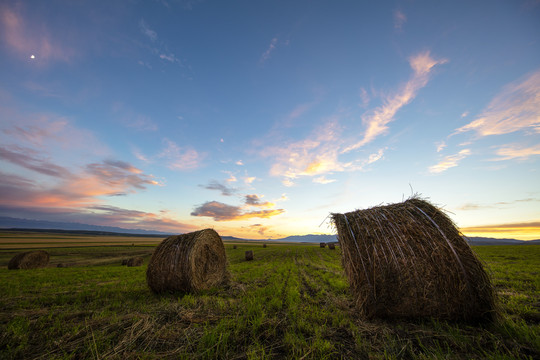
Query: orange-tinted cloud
[(256, 200), (449, 161), (223, 212), (523, 231)]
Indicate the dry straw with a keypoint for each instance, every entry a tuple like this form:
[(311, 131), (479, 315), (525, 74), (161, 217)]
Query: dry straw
[(322, 245), (409, 260), (135, 261), (29, 260), (188, 262), (249, 255)]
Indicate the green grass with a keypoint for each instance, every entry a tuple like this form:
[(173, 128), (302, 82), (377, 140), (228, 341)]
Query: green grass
[(292, 302)]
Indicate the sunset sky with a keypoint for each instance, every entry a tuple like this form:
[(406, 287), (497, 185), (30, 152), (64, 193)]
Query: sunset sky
[(260, 118)]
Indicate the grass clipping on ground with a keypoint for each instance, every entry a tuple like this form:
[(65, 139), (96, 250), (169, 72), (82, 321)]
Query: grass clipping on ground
[(409, 260), (29, 260), (188, 262)]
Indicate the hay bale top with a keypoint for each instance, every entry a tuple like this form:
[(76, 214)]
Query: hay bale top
[(29, 260), (188, 262), (409, 260)]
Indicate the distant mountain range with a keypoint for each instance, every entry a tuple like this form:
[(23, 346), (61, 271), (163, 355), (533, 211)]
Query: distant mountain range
[(13, 223), (63, 227)]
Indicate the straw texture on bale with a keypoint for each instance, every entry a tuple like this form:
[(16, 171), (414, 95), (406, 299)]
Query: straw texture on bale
[(323, 245), (29, 260), (135, 261), (331, 246), (249, 255), (188, 262), (409, 260)]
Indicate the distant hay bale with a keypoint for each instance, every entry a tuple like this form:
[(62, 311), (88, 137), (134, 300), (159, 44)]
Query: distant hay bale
[(29, 260), (331, 246), (249, 255), (188, 262), (135, 261), (264, 245), (234, 246), (409, 260), (125, 261), (322, 245), (61, 265)]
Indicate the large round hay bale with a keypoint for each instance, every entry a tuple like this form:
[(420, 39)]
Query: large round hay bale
[(322, 245), (409, 260), (249, 255), (135, 261), (331, 246), (29, 260), (188, 262)]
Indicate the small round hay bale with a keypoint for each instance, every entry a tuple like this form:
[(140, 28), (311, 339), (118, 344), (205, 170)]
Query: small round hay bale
[(134, 261), (323, 245), (29, 260), (124, 262), (331, 246), (264, 245), (61, 265), (249, 255), (234, 246), (188, 262)]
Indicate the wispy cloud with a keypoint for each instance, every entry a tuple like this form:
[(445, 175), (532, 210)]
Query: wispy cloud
[(449, 161), (497, 205), (27, 38), (266, 55), (376, 121), (223, 212), (32, 160), (510, 152), (515, 108), (399, 19), (146, 31), (441, 146), (224, 189), (323, 180), (180, 158)]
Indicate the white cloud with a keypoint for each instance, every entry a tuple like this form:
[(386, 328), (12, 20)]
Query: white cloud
[(449, 162), (440, 146), (510, 152), (266, 55), (145, 29), (376, 121), (399, 19), (323, 180), (185, 158), (515, 108)]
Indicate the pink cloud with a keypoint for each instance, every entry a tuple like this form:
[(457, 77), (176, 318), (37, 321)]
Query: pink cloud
[(27, 38), (449, 162)]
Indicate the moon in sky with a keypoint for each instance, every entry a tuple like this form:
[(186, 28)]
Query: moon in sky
[(32, 57)]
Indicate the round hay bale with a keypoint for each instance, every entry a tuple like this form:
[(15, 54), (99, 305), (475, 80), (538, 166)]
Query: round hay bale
[(29, 260), (124, 262), (188, 262), (264, 245), (323, 245), (249, 255), (409, 260), (135, 261), (331, 246), (61, 265), (234, 246)]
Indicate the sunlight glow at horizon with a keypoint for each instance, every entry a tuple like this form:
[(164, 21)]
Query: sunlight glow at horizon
[(261, 123)]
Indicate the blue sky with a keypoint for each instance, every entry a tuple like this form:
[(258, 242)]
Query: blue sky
[(260, 118)]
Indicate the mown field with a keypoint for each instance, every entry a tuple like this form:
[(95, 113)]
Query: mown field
[(291, 302)]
